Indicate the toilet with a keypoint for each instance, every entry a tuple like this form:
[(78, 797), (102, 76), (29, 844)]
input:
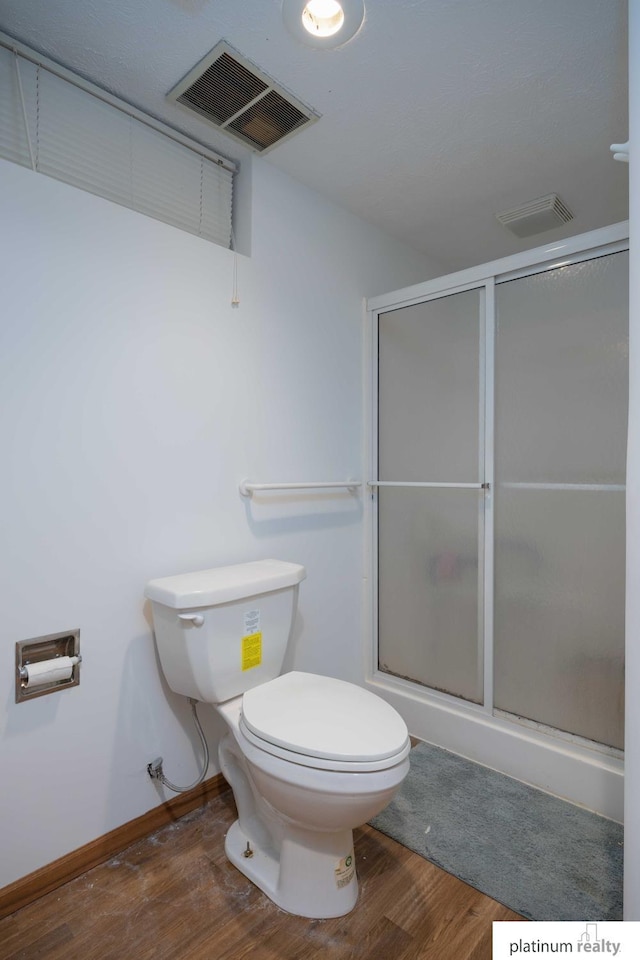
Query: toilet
[(308, 757)]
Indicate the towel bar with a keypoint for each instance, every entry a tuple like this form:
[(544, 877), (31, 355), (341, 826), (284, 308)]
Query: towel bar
[(247, 489)]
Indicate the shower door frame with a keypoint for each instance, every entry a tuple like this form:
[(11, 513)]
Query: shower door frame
[(561, 763)]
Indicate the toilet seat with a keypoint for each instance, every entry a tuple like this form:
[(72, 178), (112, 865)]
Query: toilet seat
[(253, 747), (325, 723)]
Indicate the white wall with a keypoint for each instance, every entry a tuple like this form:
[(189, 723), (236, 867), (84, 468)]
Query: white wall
[(632, 654), (134, 399)]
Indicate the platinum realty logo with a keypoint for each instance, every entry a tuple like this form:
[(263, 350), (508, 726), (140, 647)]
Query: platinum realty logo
[(601, 939), (589, 942)]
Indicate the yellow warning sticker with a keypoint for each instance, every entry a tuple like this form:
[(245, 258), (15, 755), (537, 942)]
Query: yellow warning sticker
[(251, 651)]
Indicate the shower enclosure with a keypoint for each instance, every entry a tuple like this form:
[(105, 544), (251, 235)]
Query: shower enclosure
[(499, 416)]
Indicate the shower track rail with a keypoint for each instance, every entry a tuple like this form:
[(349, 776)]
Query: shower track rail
[(416, 483), (600, 487)]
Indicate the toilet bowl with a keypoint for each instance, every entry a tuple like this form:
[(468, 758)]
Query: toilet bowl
[(308, 757), (313, 791)]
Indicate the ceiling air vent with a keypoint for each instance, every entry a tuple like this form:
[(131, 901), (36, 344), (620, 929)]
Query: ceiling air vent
[(240, 99), (536, 216)]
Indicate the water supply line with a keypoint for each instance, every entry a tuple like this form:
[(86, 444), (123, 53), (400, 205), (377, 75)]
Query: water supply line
[(154, 769)]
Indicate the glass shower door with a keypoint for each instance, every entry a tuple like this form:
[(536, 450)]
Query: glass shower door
[(561, 416), (430, 502), (525, 615)]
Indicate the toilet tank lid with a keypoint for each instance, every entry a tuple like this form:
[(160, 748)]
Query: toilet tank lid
[(207, 588)]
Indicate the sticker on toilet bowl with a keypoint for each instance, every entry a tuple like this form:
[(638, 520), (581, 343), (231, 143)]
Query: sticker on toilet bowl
[(251, 651), (345, 871)]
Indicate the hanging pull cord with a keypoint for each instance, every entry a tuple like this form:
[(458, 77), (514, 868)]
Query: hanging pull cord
[(235, 297), (155, 771)]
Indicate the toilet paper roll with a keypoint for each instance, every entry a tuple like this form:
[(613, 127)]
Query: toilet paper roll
[(49, 671)]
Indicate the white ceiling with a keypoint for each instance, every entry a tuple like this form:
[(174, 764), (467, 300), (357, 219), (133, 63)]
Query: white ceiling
[(435, 117)]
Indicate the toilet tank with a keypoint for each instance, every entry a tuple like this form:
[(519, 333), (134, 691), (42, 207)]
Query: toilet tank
[(222, 631)]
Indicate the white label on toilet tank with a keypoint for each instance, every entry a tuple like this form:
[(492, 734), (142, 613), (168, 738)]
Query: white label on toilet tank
[(345, 871), (251, 621)]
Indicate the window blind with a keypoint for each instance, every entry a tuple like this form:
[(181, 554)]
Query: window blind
[(95, 146)]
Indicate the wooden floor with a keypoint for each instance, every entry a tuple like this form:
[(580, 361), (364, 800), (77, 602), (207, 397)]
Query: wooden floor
[(174, 896)]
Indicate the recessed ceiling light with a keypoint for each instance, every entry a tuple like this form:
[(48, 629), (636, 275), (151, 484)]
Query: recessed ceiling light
[(323, 23), (322, 18)]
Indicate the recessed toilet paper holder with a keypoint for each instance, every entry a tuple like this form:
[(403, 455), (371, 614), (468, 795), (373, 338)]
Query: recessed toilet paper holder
[(46, 664)]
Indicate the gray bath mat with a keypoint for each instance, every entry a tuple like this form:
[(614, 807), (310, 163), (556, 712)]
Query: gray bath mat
[(542, 857)]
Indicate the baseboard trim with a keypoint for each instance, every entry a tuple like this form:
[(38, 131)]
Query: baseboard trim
[(54, 875)]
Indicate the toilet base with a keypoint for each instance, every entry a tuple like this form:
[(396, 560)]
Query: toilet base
[(314, 875)]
